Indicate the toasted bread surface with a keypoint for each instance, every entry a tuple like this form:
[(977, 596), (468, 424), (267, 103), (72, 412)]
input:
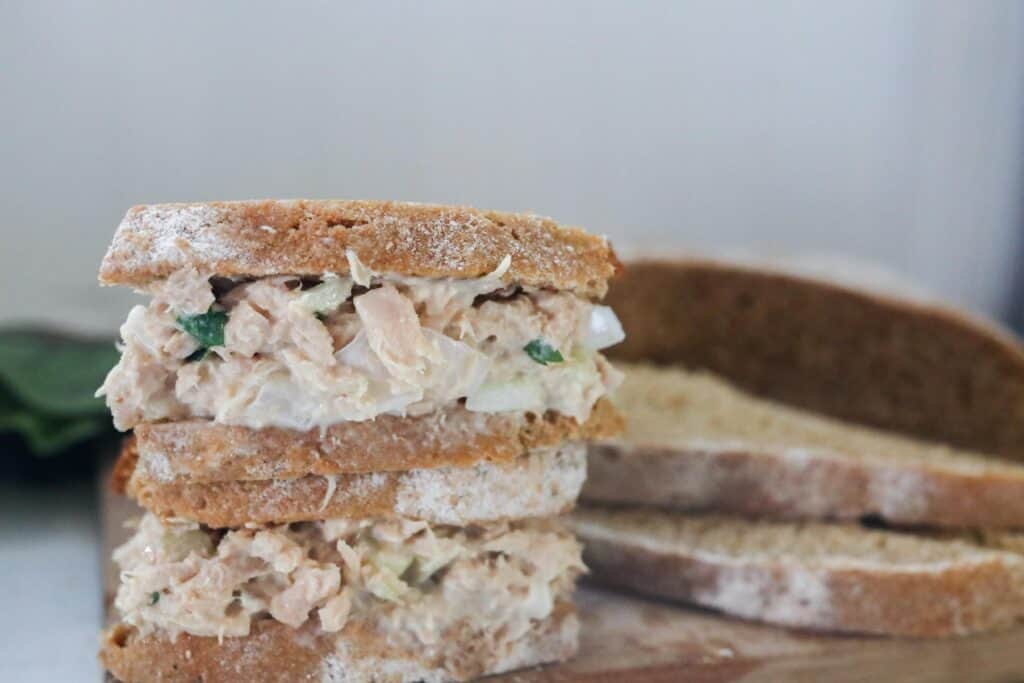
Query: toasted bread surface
[(204, 451), (273, 652), (696, 443), (819, 576), (311, 236), (875, 359)]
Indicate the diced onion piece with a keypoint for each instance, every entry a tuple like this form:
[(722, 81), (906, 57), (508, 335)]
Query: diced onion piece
[(326, 296), (178, 546), (426, 566), (357, 269), (502, 268), (603, 329), (513, 395), (385, 585), (391, 560)]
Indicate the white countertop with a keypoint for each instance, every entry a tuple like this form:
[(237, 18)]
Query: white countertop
[(50, 574)]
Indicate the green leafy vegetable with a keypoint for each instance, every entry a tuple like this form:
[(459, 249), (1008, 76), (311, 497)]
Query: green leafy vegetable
[(48, 435), (206, 328), (542, 352), (197, 355), (53, 374), (154, 597), (47, 388)]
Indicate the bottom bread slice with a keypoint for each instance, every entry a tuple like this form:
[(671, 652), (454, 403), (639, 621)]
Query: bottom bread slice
[(275, 653), (813, 575), (341, 600)]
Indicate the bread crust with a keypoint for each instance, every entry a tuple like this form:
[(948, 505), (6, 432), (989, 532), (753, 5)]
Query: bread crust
[(879, 360), (311, 236), (773, 482), (205, 451), (936, 600), (540, 484), (274, 652)]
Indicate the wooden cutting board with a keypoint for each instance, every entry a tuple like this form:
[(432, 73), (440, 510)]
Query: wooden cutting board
[(627, 638)]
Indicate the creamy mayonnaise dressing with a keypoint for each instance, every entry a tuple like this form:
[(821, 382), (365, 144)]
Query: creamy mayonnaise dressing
[(408, 578), (310, 356)]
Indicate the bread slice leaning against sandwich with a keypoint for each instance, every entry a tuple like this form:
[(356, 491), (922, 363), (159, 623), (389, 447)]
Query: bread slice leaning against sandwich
[(853, 347), (723, 451), (356, 425)]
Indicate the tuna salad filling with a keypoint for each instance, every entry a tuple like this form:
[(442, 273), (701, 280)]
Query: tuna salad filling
[(301, 352), (407, 578)]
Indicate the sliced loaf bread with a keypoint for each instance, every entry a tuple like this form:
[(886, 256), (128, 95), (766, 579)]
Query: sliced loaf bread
[(886, 360), (542, 483), (693, 442), (821, 576)]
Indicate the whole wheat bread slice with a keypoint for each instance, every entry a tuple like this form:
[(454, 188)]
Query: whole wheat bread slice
[(694, 442), (892, 362), (276, 653), (199, 451), (311, 236), (822, 576), (541, 483)]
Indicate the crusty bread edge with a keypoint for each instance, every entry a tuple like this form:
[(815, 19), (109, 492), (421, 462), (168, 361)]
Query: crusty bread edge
[(310, 236), (915, 301), (973, 405), (540, 484), (798, 483), (205, 451), (958, 599)]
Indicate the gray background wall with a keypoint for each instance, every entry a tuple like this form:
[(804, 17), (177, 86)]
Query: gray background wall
[(884, 130)]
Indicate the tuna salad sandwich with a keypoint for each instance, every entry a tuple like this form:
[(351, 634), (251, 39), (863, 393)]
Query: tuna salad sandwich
[(355, 426), (813, 453)]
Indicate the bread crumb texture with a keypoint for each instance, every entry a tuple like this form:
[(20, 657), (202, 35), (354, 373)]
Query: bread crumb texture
[(304, 236)]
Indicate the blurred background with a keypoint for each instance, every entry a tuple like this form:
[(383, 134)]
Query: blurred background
[(883, 131), (891, 131)]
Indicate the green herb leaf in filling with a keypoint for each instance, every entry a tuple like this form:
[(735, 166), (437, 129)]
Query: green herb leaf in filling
[(542, 352), (206, 328)]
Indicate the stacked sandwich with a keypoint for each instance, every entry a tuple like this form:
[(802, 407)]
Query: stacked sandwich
[(813, 454), (355, 424)]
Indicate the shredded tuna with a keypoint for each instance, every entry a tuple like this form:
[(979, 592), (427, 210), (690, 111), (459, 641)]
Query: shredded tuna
[(408, 578), (405, 346)]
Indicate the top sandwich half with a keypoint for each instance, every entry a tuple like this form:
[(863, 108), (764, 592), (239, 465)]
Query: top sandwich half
[(310, 314)]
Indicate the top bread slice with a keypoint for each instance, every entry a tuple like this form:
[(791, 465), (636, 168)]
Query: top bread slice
[(693, 442), (887, 361), (311, 236)]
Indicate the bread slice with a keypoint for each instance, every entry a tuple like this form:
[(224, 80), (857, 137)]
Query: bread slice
[(694, 442), (821, 576), (311, 236), (892, 362), (541, 483), (275, 653), (206, 451)]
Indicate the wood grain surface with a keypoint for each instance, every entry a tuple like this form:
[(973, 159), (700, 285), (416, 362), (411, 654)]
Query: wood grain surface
[(627, 638)]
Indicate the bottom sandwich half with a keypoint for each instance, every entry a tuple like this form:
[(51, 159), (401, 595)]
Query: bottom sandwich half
[(341, 600)]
